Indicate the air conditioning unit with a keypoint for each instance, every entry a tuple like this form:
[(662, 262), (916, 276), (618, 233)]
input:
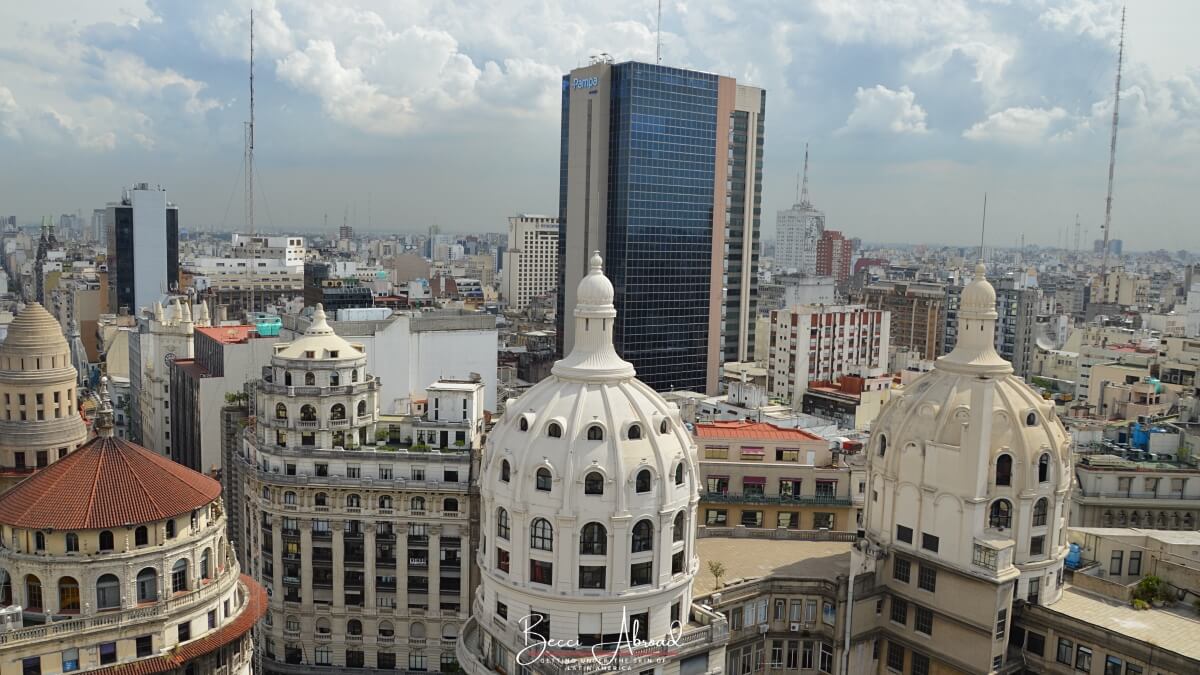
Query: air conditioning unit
[(763, 628), (795, 627)]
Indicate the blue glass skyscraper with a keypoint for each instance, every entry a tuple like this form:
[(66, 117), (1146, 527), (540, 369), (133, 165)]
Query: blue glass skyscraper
[(661, 172)]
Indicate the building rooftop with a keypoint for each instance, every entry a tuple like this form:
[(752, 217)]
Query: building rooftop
[(753, 430), (228, 334), (109, 482), (746, 558), (1171, 628)]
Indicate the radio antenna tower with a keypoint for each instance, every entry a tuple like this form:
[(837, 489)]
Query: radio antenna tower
[(983, 227), (249, 205), (1112, 151), (658, 40), (804, 184)]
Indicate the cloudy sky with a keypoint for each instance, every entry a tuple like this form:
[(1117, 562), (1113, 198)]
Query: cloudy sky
[(408, 112)]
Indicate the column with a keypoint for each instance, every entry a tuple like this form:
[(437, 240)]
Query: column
[(306, 561), (276, 556), (401, 530), (435, 568), (339, 565), (369, 566)]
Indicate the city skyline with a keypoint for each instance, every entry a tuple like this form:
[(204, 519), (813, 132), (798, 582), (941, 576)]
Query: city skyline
[(389, 114)]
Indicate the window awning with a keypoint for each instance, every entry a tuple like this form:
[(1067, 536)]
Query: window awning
[(755, 480), (752, 451)]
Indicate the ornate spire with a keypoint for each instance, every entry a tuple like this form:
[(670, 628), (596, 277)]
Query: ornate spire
[(975, 352), (319, 325), (593, 358), (104, 412)]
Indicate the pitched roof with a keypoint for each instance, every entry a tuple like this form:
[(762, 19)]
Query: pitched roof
[(762, 431), (108, 482)]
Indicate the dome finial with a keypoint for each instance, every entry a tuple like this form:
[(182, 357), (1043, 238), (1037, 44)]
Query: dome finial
[(593, 356), (104, 412), (319, 325), (596, 264)]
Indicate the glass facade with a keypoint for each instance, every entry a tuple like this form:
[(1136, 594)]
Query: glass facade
[(741, 139)]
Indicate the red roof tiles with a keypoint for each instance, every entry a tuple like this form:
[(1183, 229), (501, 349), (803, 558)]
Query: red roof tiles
[(256, 606), (228, 334), (108, 482), (756, 430)]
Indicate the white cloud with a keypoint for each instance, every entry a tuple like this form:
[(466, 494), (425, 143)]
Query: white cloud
[(8, 114), (883, 110), (129, 73), (84, 136), (1017, 125)]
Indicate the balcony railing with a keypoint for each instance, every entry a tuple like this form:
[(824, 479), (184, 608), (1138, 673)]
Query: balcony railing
[(1128, 494), (740, 498)]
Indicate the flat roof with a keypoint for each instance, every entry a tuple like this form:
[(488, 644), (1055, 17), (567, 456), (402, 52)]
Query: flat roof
[(228, 334), (1171, 628), (746, 558)]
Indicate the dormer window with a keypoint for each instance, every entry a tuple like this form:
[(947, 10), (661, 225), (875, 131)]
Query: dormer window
[(310, 354), (333, 353)]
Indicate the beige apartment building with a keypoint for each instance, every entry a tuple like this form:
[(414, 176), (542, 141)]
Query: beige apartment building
[(359, 528), (758, 475), (1115, 492)]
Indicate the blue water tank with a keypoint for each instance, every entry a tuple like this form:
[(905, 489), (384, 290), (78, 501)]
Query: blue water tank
[(1074, 557)]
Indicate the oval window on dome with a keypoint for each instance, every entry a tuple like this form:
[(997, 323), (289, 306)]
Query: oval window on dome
[(1031, 419), (664, 426), (554, 430), (642, 482), (882, 445), (523, 424), (595, 433), (505, 471), (679, 474), (635, 432)]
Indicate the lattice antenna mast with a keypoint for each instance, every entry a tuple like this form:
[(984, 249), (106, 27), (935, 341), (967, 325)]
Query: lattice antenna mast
[(658, 39), (983, 227), (1112, 150), (250, 156), (804, 183)]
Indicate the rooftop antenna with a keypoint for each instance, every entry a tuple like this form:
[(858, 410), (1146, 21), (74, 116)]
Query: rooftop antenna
[(804, 186), (1076, 233), (658, 40), (983, 227), (250, 155), (1112, 150)]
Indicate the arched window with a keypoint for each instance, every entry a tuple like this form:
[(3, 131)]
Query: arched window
[(1004, 470), (664, 426), (171, 529), (354, 627), (323, 626), (1043, 468), (1000, 516), (554, 430), (266, 492), (595, 433), (543, 479), (643, 536), (882, 445), (68, 595), (541, 535), (642, 482), (6, 589), (385, 502), (141, 536), (523, 424), (593, 540), (416, 629), (310, 380), (33, 593), (280, 411), (354, 375), (678, 532), (337, 412), (1039, 512), (679, 474), (502, 527), (206, 564), (1031, 419), (505, 471), (635, 432), (287, 379), (108, 592), (39, 541), (289, 497), (334, 379), (353, 501), (72, 542), (417, 504), (362, 409), (179, 576), (450, 504), (106, 541), (308, 413), (321, 499), (147, 585), (593, 483), (386, 629)]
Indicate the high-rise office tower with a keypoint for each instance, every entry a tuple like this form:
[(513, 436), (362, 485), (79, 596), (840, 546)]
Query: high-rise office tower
[(532, 254), (798, 230), (660, 171), (143, 247)]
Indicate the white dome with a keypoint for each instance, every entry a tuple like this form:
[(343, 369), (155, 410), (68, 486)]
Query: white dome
[(595, 290), (973, 457), (604, 462)]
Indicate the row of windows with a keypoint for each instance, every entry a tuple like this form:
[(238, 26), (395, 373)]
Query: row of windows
[(108, 588), (595, 432), (105, 540), (308, 413), (593, 538), (755, 518), (310, 378), (593, 482), (785, 654), (354, 501)]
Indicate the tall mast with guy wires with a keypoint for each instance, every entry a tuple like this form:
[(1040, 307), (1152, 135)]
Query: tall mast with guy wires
[(1112, 151), (249, 204)]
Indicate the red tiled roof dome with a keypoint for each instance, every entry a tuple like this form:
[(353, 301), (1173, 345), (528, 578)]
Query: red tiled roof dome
[(109, 482)]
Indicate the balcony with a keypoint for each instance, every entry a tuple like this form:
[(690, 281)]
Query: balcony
[(308, 424), (739, 498), (339, 423)]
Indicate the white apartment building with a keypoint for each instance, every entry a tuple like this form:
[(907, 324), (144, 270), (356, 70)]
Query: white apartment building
[(531, 261), (358, 526), (798, 229), (153, 348), (823, 343), (289, 248)]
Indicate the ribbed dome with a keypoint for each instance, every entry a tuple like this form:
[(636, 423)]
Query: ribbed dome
[(595, 290), (320, 339), (34, 331), (979, 297)]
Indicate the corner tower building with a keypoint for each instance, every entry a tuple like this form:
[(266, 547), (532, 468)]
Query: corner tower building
[(588, 496), (661, 169), (968, 481)]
